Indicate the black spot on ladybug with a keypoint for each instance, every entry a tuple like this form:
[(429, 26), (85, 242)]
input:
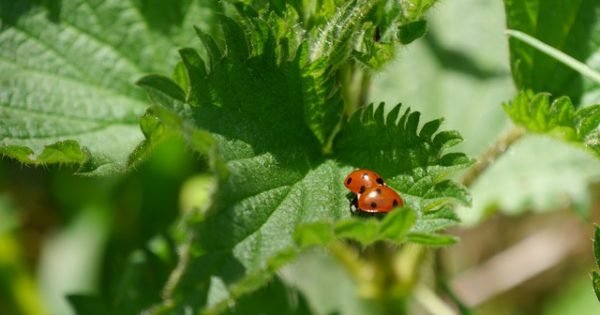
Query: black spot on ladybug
[(379, 181), (373, 205), (349, 181), (362, 189), (378, 191), (395, 203)]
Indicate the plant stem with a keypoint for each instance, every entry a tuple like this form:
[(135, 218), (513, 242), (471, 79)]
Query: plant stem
[(442, 287), (430, 301), (567, 60), (489, 156), (386, 279), (348, 257)]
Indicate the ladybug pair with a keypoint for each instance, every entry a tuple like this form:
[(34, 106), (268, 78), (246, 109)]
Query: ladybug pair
[(372, 194)]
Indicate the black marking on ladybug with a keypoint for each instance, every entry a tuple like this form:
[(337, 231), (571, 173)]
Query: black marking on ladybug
[(395, 203), (349, 181), (379, 180), (362, 189), (378, 191), (373, 205)]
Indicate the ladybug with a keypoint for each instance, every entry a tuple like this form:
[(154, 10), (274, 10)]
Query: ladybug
[(379, 200), (361, 180)]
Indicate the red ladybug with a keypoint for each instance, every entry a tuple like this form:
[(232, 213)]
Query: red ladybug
[(379, 200), (361, 180)]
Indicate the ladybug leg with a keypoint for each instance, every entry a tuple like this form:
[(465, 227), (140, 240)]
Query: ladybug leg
[(354, 205)]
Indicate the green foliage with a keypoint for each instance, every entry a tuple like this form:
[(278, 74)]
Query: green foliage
[(67, 71), (572, 30), (595, 275), (258, 105), (282, 301), (18, 290), (84, 304), (559, 119)]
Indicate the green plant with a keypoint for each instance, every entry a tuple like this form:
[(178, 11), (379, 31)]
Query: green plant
[(273, 97)]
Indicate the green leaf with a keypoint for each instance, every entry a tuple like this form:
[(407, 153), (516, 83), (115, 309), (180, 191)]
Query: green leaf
[(392, 227), (425, 231), (67, 76), (596, 284), (336, 30), (273, 299), (84, 304), (558, 119), (432, 239), (412, 31), (572, 30), (314, 268), (276, 190), (450, 63), (415, 163)]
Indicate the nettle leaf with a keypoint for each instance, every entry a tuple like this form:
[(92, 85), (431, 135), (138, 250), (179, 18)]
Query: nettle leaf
[(557, 118), (391, 23), (414, 162), (257, 111), (67, 73), (572, 30), (368, 31)]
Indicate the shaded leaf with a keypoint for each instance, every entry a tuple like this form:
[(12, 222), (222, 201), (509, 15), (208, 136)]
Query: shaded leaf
[(85, 304), (572, 30)]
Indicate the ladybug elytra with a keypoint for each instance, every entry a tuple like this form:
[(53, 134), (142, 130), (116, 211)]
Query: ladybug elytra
[(379, 199), (361, 180), (371, 194)]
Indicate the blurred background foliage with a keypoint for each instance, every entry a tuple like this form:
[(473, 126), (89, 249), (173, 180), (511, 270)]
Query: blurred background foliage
[(63, 235)]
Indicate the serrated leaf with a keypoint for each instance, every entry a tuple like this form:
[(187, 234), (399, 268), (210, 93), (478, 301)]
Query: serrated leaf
[(570, 30), (558, 119), (276, 189), (436, 221), (67, 92), (335, 37), (392, 227)]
